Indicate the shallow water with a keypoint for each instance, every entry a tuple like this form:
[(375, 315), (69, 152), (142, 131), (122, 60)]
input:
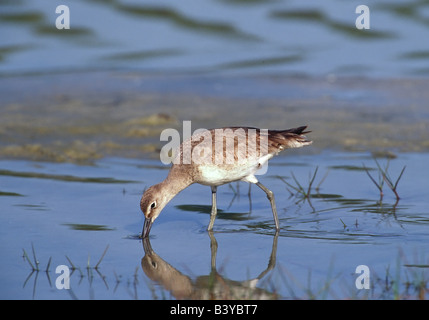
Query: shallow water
[(80, 108), (313, 38), (69, 214), (81, 117)]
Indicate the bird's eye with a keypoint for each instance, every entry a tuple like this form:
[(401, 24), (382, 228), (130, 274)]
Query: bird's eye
[(153, 205)]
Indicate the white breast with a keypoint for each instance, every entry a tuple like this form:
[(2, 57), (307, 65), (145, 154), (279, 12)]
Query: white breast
[(215, 175)]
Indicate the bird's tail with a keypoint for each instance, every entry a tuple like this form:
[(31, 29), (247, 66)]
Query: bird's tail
[(290, 138)]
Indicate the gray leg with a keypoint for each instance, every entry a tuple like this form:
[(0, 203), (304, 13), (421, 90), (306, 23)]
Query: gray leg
[(270, 197), (213, 249), (214, 209), (250, 199)]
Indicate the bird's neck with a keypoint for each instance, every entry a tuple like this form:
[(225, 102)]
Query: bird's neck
[(176, 181)]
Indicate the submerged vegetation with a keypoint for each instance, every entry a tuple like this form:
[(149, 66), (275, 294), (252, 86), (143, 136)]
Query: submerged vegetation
[(384, 176), (305, 192), (61, 177), (405, 280), (34, 264)]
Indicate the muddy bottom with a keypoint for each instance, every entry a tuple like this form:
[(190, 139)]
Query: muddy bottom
[(87, 116)]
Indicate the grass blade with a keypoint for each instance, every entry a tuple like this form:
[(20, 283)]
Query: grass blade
[(72, 265), (101, 258), (28, 260), (48, 265), (311, 181), (400, 176), (34, 256)]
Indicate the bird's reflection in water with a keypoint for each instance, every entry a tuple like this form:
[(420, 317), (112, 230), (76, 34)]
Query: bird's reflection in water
[(211, 286)]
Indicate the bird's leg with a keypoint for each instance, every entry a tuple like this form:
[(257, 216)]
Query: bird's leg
[(213, 249), (270, 196), (250, 199), (214, 209)]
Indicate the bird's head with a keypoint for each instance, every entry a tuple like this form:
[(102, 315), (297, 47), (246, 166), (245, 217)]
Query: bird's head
[(151, 204)]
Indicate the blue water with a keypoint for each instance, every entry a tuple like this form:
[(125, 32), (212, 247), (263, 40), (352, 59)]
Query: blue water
[(289, 37), (317, 250), (55, 214)]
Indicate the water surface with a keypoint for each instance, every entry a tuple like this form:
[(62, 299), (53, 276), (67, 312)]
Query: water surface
[(71, 213), (294, 37), (81, 112)]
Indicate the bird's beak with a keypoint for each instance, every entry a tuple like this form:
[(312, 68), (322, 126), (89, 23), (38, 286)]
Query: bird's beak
[(146, 227)]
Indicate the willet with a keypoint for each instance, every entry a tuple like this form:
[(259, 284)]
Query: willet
[(216, 157)]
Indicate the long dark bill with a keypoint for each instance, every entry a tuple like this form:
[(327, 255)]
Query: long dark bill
[(146, 227)]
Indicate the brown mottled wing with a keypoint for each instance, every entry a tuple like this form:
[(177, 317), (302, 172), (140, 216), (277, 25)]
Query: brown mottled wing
[(290, 138), (202, 146)]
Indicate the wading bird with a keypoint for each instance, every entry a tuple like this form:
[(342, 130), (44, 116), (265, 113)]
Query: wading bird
[(218, 156)]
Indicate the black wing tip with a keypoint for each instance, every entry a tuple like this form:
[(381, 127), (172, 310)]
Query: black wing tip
[(299, 130)]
